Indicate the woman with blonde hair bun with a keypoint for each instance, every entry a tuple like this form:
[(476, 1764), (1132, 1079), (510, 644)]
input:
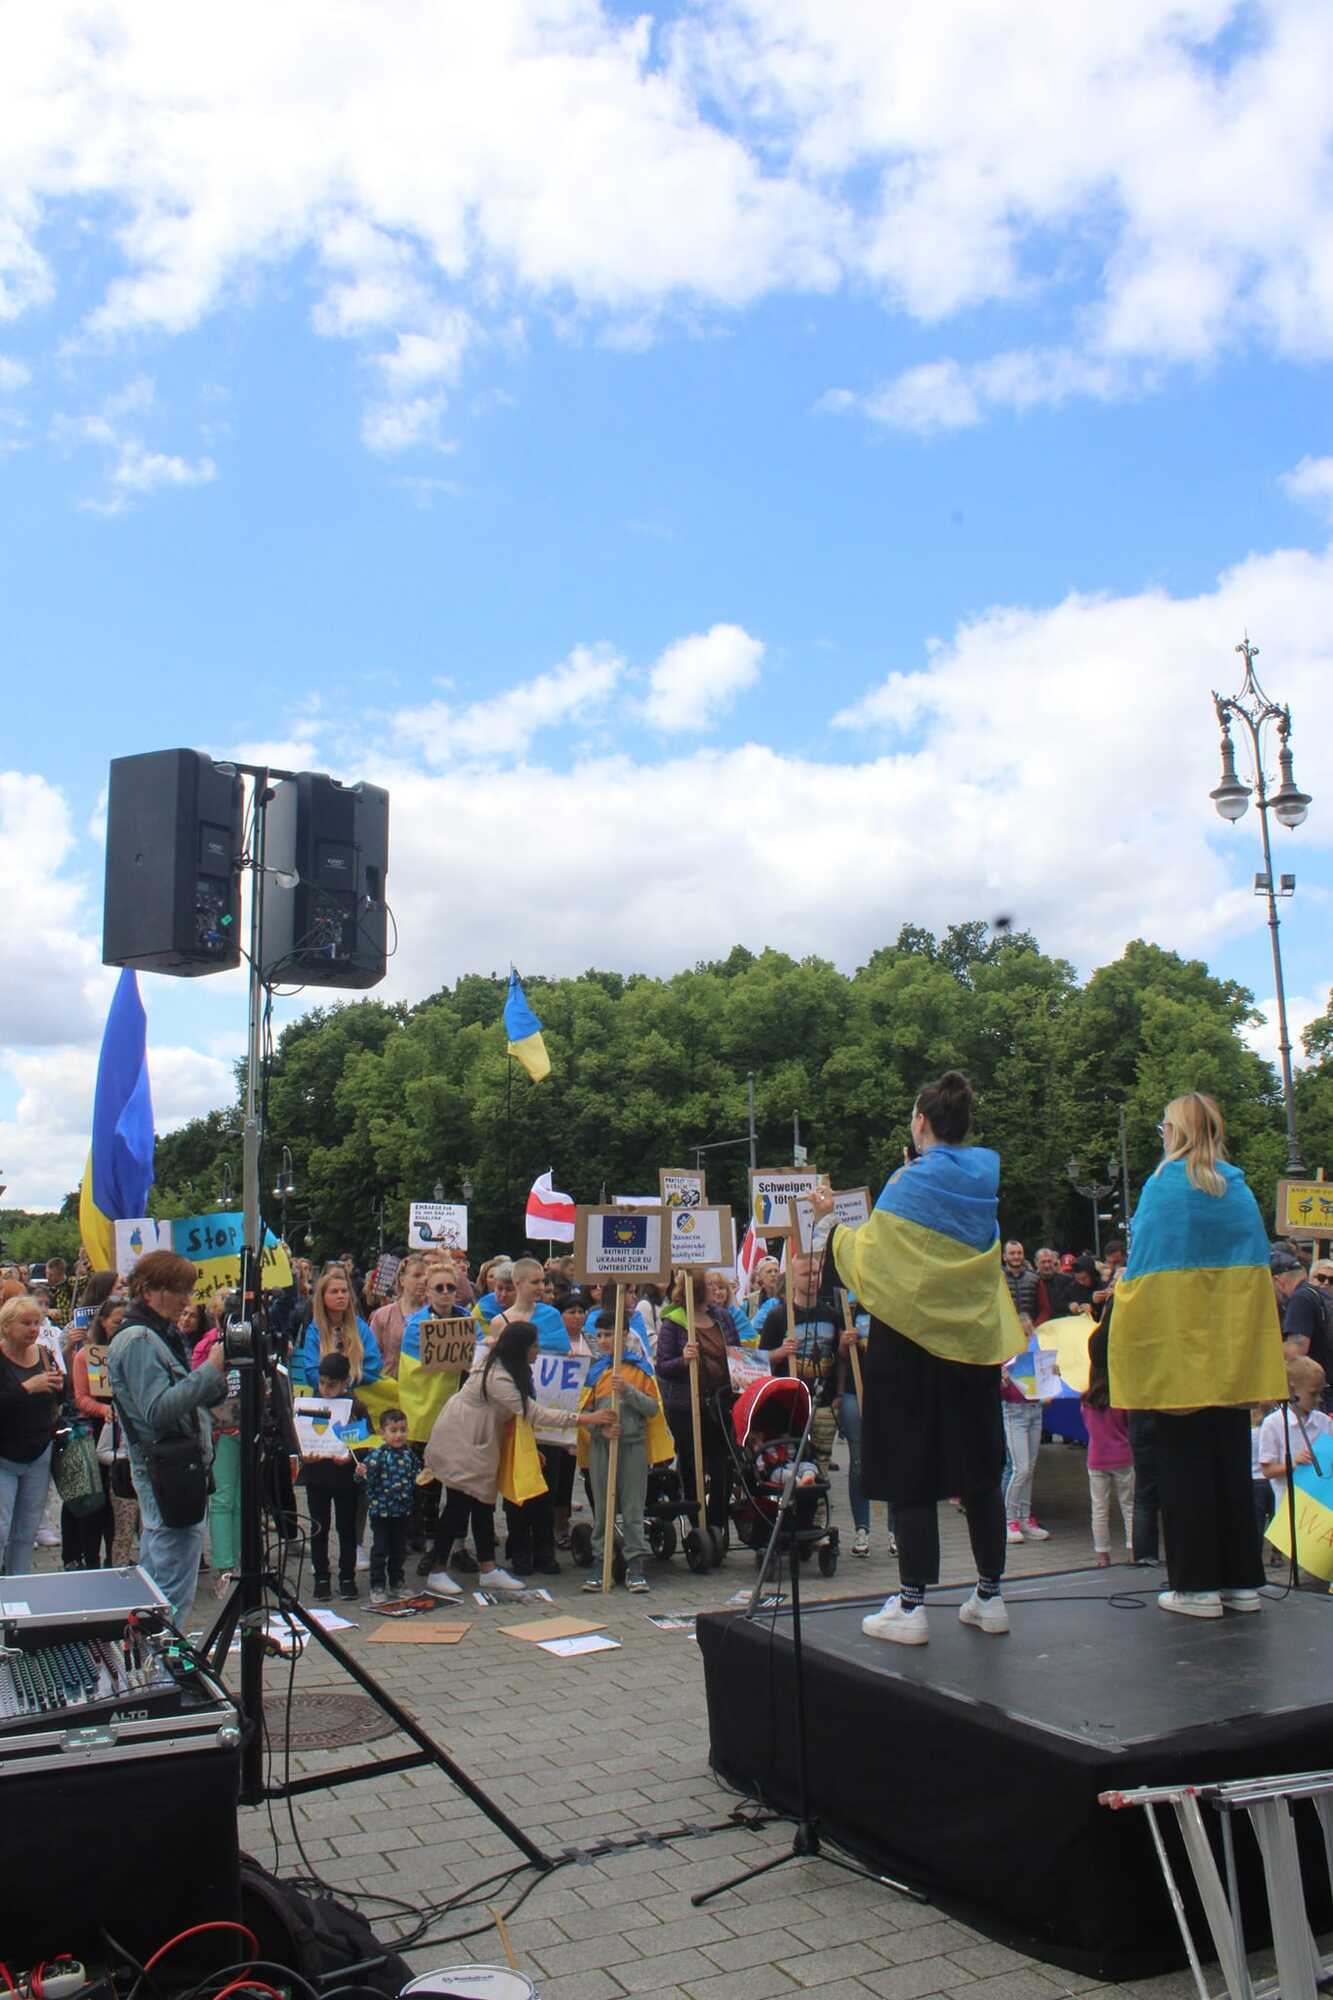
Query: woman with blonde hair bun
[(1194, 1338)]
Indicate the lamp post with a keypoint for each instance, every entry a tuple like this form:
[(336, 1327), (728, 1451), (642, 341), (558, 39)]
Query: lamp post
[(226, 1197), (438, 1191), (1093, 1191), (284, 1186), (1255, 710)]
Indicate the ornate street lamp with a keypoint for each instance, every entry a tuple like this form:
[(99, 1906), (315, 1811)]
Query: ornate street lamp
[(1253, 708)]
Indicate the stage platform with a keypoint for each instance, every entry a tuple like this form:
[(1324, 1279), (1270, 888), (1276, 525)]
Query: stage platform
[(971, 1767)]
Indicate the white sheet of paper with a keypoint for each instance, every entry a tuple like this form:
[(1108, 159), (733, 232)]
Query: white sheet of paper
[(1048, 1374), (331, 1621), (583, 1642)]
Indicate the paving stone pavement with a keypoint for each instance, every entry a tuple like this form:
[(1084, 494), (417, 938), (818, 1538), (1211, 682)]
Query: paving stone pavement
[(616, 1744)]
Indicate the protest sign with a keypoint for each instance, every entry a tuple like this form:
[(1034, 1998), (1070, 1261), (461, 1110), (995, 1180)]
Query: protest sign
[(636, 1201), (99, 1382), (747, 1365), (319, 1423), (135, 1238), (620, 1243), (681, 1187), (1313, 1490), (386, 1272), (447, 1345), (557, 1381), (851, 1208), (213, 1244), (437, 1225), (701, 1236), (771, 1191)]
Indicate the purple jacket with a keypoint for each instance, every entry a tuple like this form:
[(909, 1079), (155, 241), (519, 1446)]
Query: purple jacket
[(672, 1371)]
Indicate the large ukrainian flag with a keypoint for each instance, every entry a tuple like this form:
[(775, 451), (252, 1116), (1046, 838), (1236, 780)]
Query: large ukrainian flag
[(119, 1171), (1195, 1322), (927, 1263), (524, 1032)]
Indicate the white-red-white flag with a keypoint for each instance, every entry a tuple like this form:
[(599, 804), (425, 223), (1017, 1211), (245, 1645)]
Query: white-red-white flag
[(550, 1213), (752, 1249)]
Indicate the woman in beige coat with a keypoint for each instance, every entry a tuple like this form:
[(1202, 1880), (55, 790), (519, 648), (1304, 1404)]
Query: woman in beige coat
[(465, 1445)]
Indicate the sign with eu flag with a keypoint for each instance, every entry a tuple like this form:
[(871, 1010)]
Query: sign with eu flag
[(620, 1242)]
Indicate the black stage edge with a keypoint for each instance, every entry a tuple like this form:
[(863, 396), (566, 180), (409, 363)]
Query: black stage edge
[(970, 1767)]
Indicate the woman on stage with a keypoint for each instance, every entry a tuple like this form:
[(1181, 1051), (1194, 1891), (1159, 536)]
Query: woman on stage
[(1195, 1339), (927, 1268)]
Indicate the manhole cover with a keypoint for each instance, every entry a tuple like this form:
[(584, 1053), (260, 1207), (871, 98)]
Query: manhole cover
[(326, 1722)]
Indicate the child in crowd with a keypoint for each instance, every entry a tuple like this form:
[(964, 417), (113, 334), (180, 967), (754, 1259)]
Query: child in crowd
[(391, 1477), (1296, 1427), (1262, 1489), (1110, 1459), (332, 1491), (620, 1402)]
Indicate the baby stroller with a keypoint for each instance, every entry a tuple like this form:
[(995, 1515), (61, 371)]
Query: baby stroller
[(767, 1425)]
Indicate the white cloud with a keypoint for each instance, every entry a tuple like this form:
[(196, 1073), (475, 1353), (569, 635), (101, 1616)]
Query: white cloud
[(504, 725), (949, 395), (1311, 482), (133, 470), (59, 990), (13, 375), (1302, 1008), (1155, 178), (697, 679)]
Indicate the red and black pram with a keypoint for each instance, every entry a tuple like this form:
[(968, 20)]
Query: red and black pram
[(768, 1422)]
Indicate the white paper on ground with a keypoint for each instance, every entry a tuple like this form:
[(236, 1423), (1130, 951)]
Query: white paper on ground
[(583, 1642), (331, 1621)]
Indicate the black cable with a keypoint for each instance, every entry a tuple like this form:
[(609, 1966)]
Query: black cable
[(225, 1973)]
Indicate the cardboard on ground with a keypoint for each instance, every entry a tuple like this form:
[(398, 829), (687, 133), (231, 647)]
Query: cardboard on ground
[(771, 1189), (447, 1345), (701, 1236), (537, 1629), (417, 1632), (620, 1243)]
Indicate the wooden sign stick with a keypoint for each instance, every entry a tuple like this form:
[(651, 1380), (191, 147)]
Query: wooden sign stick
[(613, 1457), (854, 1351), (696, 1417)]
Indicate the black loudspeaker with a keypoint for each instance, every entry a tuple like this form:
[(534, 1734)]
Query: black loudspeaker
[(330, 928), (173, 838)]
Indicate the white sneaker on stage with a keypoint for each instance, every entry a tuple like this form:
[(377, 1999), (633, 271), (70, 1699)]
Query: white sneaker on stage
[(440, 1584), (904, 1628), (1191, 1603), (1241, 1600), (988, 1614)]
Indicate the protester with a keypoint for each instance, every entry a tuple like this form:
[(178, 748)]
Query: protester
[(31, 1388), (335, 1327), (1110, 1459), (527, 1307), (497, 1278), (722, 1295), (391, 1477), (464, 1451), (713, 1335), (847, 1413), (620, 1404), (1293, 1430), (808, 1351), (333, 1491), (387, 1321), (162, 1407), (1195, 1339), (224, 1500), (1305, 1305), (84, 1537), (927, 1267), (1085, 1277), (1054, 1288), (767, 1292)]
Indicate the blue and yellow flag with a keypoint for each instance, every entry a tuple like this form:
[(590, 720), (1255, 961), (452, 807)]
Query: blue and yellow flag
[(1313, 1485), (927, 1263), (525, 1032), (1195, 1321), (638, 1370), (119, 1171)]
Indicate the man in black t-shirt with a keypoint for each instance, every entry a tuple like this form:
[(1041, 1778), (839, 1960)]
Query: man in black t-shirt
[(1306, 1313)]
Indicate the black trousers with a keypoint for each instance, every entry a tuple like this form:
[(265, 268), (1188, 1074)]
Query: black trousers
[(717, 1462), (338, 1504), (388, 1549), (1203, 1476), (917, 1527), (1147, 1501), (459, 1513)]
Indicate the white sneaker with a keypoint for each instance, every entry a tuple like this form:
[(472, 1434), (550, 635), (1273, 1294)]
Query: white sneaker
[(988, 1614), (905, 1628), (861, 1542), (500, 1579), (1012, 1532), (47, 1538), (1191, 1603), (440, 1584), (363, 1559), (1241, 1600), (1032, 1531)]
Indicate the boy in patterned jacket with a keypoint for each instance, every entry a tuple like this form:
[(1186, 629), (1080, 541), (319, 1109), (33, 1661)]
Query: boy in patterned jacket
[(391, 1477)]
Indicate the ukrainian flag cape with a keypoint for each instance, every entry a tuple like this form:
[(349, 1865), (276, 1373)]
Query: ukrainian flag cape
[(1195, 1322), (927, 1263), (597, 1389)]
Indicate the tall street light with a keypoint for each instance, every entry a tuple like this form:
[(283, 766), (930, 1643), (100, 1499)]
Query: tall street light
[(1253, 708), (1094, 1191), (285, 1186)]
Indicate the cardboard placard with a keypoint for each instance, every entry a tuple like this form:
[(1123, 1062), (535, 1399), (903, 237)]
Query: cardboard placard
[(620, 1243), (557, 1382), (213, 1245), (704, 1236), (99, 1382), (447, 1346), (851, 1208), (135, 1238), (437, 1225), (1305, 1208), (771, 1192), (681, 1187), (418, 1632)]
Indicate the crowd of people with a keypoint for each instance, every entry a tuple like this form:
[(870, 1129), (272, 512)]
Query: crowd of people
[(119, 1421)]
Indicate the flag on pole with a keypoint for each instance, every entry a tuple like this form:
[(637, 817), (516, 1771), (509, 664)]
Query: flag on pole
[(524, 1031), (550, 1213), (119, 1171), (752, 1249)]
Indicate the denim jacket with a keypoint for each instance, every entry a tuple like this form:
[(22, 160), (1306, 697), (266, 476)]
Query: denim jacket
[(157, 1396)]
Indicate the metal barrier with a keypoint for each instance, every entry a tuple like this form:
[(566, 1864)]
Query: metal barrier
[(1269, 1804)]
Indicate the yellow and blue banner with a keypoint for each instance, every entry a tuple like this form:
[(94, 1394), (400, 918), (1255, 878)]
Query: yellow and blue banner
[(419, 1393), (1313, 1492), (213, 1245), (119, 1170), (927, 1263), (1195, 1321), (524, 1032)]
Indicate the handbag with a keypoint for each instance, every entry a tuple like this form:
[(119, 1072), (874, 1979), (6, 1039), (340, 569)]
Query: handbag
[(178, 1472), (79, 1476), (122, 1479), (519, 1475)]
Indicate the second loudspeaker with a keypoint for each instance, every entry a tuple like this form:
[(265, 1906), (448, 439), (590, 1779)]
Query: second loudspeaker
[(330, 929)]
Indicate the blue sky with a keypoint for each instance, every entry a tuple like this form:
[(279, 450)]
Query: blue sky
[(818, 459)]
